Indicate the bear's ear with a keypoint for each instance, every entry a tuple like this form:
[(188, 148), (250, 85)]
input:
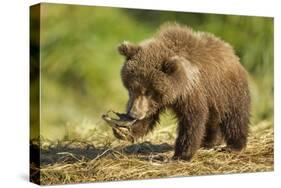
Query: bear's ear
[(127, 49), (171, 65)]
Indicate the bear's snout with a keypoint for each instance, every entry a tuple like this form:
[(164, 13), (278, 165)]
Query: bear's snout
[(138, 108)]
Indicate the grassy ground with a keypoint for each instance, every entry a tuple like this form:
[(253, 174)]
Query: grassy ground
[(107, 159)]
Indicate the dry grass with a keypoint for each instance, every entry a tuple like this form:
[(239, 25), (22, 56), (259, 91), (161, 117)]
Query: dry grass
[(90, 161)]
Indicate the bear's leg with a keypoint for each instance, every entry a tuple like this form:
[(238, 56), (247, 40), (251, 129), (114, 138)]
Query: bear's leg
[(213, 136), (235, 131), (190, 134)]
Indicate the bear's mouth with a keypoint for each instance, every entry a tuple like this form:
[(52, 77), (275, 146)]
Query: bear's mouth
[(121, 125), (116, 120), (136, 118)]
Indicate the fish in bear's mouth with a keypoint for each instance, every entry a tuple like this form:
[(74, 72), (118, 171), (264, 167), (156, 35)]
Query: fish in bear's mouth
[(121, 125)]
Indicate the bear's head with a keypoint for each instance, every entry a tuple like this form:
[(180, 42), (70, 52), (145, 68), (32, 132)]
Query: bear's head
[(151, 78)]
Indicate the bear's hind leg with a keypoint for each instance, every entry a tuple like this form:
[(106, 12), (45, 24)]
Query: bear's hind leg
[(235, 131), (213, 135)]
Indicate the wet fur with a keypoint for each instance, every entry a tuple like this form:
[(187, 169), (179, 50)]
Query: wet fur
[(200, 78)]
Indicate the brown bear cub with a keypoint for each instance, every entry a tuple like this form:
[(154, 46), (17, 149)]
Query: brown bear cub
[(195, 74)]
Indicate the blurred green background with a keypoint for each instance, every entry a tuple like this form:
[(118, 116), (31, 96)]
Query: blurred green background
[(80, 65)]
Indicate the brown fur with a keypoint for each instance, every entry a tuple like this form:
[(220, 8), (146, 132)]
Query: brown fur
[(199, 77)]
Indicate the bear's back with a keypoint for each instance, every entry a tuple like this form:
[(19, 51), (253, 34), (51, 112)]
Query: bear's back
[(198, 47)]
